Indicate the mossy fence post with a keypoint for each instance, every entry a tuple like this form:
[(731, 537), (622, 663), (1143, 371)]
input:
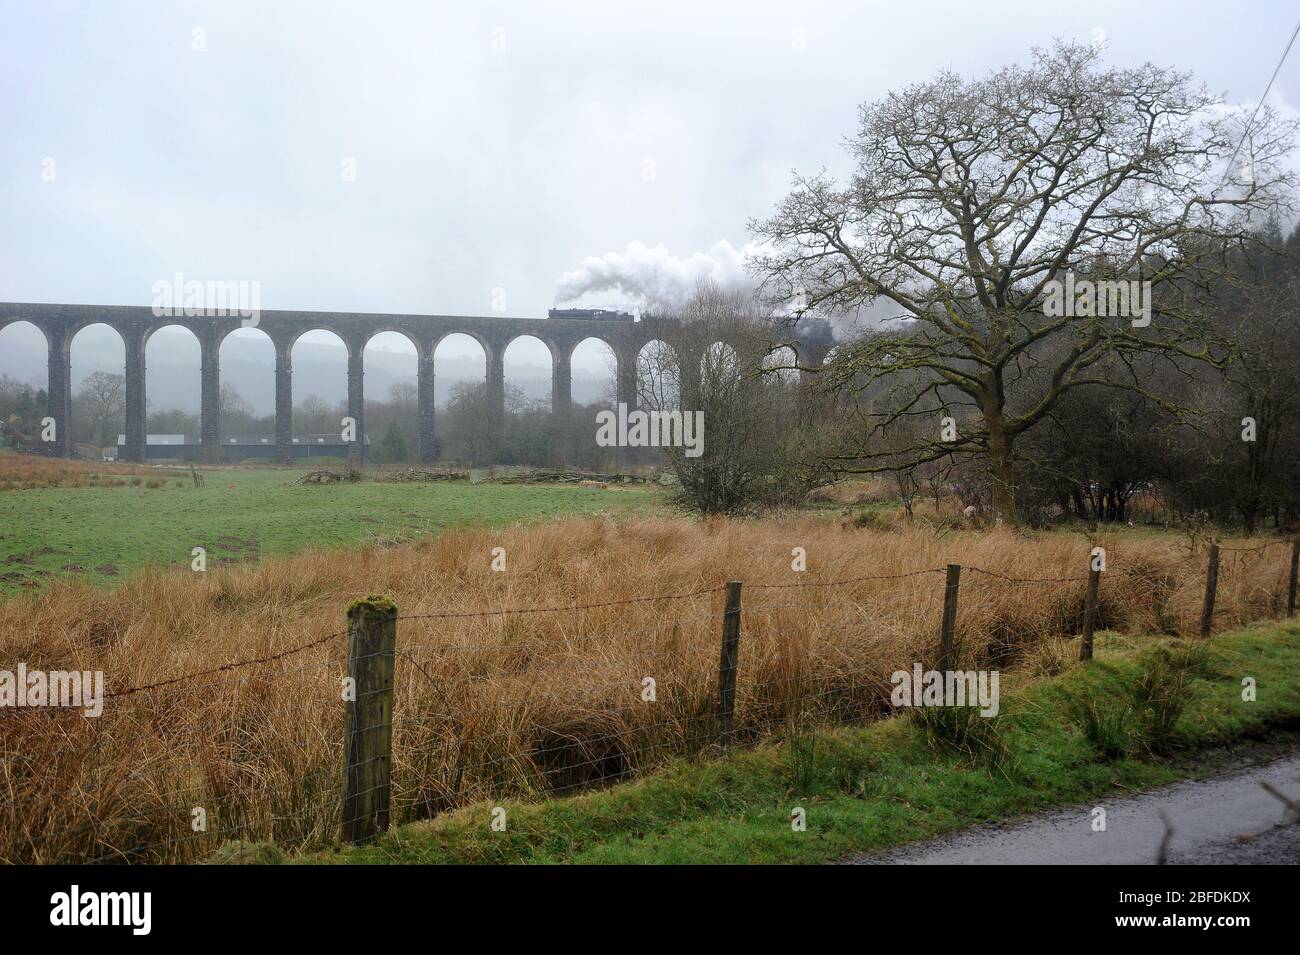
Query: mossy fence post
[(948, 630), (1211, 586), (1295, 573), (368, 747), (727, 664), (1090, 610)]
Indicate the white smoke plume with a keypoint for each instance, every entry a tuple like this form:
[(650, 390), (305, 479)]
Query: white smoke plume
[(645, 274)]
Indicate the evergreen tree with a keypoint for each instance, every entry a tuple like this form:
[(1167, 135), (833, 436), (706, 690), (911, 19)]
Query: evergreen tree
[(393, 447)]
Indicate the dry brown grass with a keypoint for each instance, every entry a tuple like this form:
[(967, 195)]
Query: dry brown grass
[(20, 472), (509, 705), (866, 490)]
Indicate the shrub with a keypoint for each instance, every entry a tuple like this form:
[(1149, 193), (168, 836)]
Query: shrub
[(1053, 657), (801, 750), (1103, 720), (1159, 696), (1194, 659), (874, 519), (962, 730)]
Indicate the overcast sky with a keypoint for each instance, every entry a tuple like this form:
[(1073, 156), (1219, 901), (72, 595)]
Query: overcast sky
[(494, 148)]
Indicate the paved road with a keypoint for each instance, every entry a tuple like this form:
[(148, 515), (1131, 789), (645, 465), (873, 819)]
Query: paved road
[(1224, 820)]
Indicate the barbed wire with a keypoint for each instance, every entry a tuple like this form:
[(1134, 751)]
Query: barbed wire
[(569, 608), (847, 580), (224, 668), (1023, 580), (1227, 549), (446, 755)]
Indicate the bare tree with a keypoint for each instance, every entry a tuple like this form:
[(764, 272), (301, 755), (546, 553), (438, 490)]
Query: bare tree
[(233, 404), (403, 395), (313, 416), (103, 396), (765, 439), (974, 202)]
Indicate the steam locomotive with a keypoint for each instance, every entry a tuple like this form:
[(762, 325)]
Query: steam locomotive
[(591, 314)]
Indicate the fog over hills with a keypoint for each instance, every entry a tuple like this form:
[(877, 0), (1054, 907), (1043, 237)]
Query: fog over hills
[(319, 367)]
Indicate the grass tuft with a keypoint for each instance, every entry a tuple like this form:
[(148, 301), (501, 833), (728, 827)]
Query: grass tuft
[(1103, 720), (1159, 696), (963, 731)]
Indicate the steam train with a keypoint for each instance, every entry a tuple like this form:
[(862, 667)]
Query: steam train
[(591, 314)]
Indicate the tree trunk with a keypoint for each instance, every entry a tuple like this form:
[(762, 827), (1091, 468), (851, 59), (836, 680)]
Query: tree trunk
[(1002, 471), (1080, 508)]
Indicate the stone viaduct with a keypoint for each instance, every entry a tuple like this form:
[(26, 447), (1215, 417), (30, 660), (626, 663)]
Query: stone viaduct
[(135, 324)]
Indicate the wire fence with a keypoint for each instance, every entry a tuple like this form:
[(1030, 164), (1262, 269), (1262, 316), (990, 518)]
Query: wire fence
[(400, 718)]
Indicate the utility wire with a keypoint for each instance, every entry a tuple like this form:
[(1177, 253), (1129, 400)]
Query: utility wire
[(1255, 112)]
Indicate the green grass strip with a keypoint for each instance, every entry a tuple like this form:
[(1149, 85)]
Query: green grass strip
[(865, 789)]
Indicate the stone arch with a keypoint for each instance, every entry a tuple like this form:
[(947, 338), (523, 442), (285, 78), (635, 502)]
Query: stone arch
[(74, 329), (260, 395), (378, 330), (153, 351), (720, 358), (23, 328), (472, 442), (392, 394), (319, 409), (538, 347), (453, 344), (593, 358), (33, 405), (599, 339), (341, 334), (658, 375), (157, 324), (18, 319), (783, 361), (75, 380)]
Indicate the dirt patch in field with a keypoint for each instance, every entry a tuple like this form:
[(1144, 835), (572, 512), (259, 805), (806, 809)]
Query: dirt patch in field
[(27, 558), (234, 550)]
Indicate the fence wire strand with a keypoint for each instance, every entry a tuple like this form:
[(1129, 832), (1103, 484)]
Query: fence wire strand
[(492, 716)]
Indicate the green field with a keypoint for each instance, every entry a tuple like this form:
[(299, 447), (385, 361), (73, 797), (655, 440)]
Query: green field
[(101, 533)]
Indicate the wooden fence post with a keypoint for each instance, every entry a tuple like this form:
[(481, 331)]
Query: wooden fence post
[(1295, 572), (1090, 610), (727, 664), (1211, 585), (368, 747), (948, 633)]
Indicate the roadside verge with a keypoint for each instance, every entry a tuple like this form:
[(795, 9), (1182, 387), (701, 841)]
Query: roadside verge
[(1146, 712)]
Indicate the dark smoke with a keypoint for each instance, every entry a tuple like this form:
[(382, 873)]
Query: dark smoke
[(815, 332)]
